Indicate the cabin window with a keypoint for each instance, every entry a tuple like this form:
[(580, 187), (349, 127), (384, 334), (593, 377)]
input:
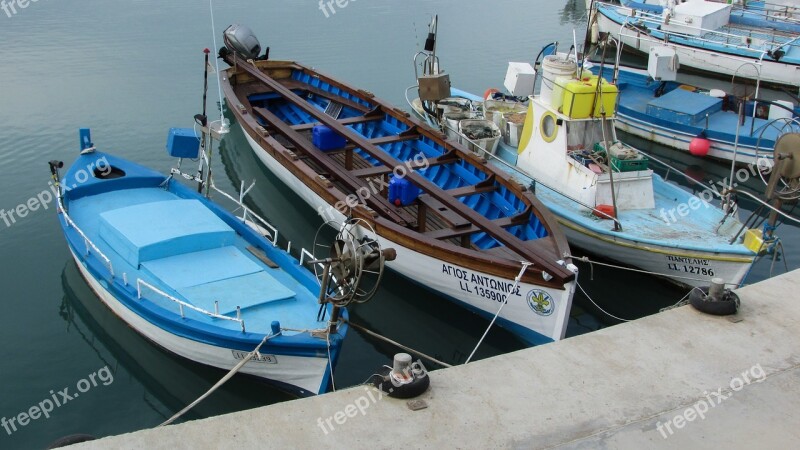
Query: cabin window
[(549, 127)]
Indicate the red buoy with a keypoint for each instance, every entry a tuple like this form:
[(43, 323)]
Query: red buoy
[(489, 92), (699, 146)]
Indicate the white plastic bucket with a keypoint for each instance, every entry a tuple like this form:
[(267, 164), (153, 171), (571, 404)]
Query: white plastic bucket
[(776, 112), (553, 67)]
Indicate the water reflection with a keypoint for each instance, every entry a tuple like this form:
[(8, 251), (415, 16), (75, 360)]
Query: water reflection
[(169, 382)]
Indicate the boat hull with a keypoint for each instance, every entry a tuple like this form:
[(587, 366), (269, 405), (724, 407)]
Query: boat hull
[(479, 291), (302, 376), (684, 268), (680, 140)]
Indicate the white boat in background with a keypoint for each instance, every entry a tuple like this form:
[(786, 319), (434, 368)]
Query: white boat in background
[(702, 37)]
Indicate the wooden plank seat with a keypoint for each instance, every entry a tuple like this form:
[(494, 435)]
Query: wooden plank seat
[(447, 158), (455, 232), (345, 121), (332, 168), (487, 185), (294, 84)]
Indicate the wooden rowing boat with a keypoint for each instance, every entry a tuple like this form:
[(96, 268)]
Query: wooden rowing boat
[(468, 234)]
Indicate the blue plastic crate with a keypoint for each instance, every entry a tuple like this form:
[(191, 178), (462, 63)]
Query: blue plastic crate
[(326, 139), (183, 143)]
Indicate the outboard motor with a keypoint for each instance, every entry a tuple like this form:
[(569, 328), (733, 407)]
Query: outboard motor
[(241, 39)]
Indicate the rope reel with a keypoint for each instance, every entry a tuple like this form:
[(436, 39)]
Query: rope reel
[(350, 268)]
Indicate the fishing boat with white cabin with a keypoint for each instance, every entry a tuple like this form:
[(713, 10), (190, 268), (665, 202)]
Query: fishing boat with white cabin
[(461, 227), (559, 137)]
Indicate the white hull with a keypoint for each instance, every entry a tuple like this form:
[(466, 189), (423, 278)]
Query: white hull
[(707, 60), (694, 269), (479, 291), (679, 140), (304, 372)]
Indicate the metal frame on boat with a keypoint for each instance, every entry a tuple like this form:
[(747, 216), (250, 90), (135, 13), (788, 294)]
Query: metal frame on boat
[(468, 232)]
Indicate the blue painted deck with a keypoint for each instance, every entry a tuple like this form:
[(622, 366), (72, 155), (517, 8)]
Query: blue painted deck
[(188, 248)]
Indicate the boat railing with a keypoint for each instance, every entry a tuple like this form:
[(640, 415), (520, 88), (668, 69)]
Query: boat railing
[(730, 40), (247, 213), (88, 242), (771, 11), (181, 304)]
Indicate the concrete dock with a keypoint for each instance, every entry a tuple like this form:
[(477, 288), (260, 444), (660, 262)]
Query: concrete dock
[(679, 379)]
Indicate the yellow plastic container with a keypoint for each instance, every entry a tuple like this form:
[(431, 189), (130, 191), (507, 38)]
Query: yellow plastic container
[(608, 98), (578, 99), (754, 240)]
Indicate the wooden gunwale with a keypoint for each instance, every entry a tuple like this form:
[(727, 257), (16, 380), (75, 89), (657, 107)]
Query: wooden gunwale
[(399, 231)]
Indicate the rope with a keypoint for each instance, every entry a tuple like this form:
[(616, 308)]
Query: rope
[(598, 306), (330, 361), (587, 260), (222, 381), (397, 344), (525, 266)]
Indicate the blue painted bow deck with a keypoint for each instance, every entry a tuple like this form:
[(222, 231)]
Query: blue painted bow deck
[(180, 245)]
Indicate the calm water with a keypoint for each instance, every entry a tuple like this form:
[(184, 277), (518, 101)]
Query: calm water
[(130, 70)]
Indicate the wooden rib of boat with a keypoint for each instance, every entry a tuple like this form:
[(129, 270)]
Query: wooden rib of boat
[(467, 233)]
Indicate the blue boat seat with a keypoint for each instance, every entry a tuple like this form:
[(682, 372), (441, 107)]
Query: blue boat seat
[(225, 275), (155, 230)]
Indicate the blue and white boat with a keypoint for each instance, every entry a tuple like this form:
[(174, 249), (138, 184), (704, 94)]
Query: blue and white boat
[(676, 115), (193, 278), (703, 37), (606, 197)]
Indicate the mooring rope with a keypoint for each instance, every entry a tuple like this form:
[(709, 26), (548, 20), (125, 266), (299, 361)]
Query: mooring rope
[(222, 381), (598, 306), (397, 344), (631, 269), (525, 266)]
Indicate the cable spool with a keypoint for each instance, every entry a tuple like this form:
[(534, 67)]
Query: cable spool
[(352, 269), (404, 379)]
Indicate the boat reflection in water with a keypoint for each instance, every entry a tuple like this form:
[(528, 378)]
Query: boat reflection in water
[(169, 383)]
